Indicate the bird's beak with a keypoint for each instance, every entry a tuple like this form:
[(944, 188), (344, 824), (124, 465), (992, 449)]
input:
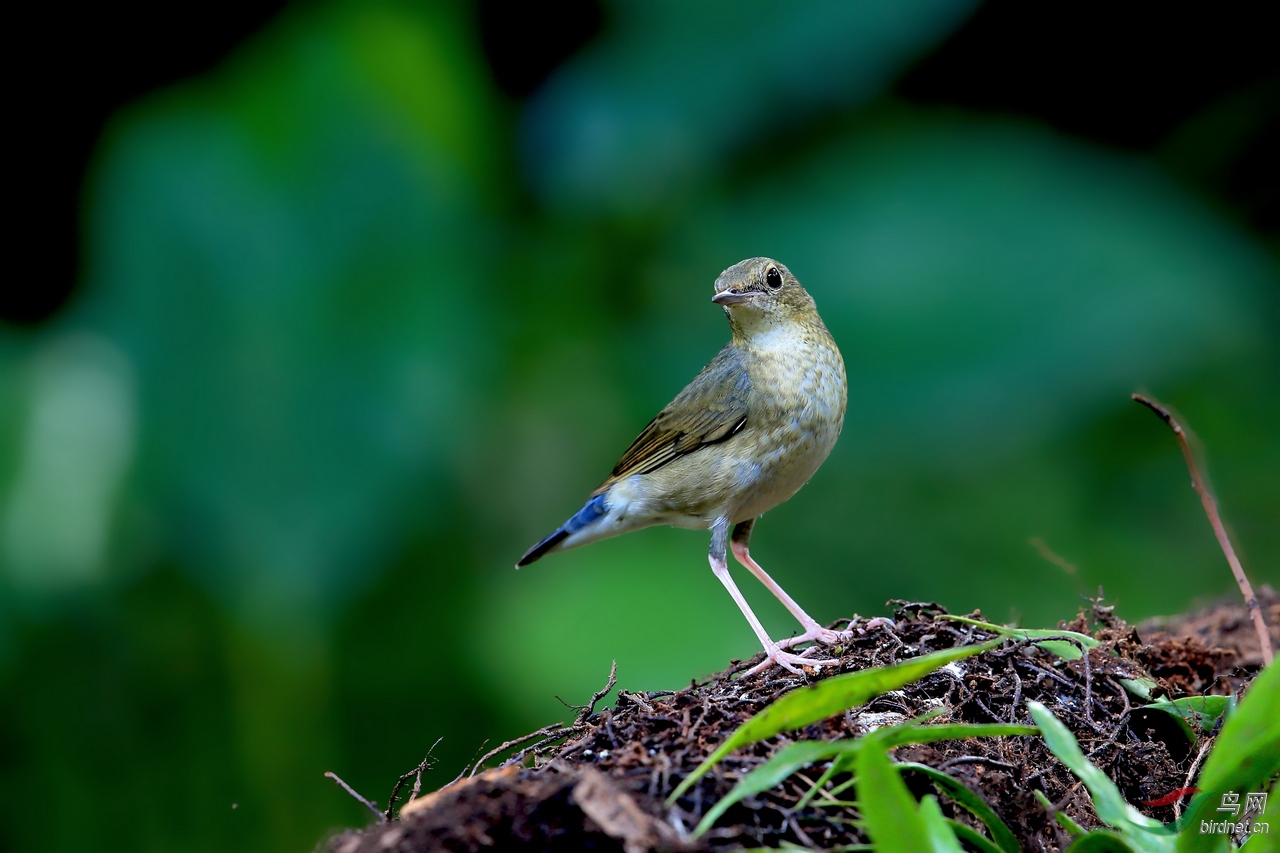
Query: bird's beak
[(732, 297)]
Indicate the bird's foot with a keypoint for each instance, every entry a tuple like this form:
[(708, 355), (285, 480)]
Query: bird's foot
[(817, 633), (877, 622), (788, 661)]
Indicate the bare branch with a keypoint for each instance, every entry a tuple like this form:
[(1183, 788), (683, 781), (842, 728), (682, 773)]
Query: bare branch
[(1211, 509), (978, 759), (502, 747), (555, 731), (416, 774), (585, 712), (352, 791)]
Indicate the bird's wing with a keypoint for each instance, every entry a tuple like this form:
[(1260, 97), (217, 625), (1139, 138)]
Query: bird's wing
[(711, 409)]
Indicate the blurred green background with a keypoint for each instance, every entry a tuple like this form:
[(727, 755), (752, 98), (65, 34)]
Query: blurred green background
[(369, 306)]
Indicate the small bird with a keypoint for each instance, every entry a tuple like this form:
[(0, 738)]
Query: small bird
[(749, 430)]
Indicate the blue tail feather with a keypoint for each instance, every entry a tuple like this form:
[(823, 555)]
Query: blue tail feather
[(590, 513)]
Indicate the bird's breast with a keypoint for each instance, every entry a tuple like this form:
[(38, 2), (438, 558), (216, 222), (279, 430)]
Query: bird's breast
[(795, 409), (799, 396)]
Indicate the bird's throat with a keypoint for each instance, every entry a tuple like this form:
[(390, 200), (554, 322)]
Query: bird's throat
[(765, 334)]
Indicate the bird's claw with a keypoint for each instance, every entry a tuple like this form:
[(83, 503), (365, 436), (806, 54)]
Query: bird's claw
[(878, 622), (788, 661), (818, 634)]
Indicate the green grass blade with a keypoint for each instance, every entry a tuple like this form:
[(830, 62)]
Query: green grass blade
[(797, 755), (973, 838), (915, 734), (1064, 820), (1001, 835), (1107, 800), (1140, 686), (1099, 841), (1022, 633), (827, 776), (1266, 842), (773, 772), (901, 735), (889, 811), (941, 838), (1064, 649), (1247, 752), (1246, 755), (826, 698)]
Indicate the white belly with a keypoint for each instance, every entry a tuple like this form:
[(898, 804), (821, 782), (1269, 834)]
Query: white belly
[(799, 449)]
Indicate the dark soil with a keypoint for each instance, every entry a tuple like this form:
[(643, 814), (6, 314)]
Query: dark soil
[(599, 783)]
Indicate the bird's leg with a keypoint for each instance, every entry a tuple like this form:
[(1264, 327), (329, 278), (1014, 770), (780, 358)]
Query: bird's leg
[(812, 630), (773, 651)]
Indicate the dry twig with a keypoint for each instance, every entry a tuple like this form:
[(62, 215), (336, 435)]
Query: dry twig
[(502, 747), (352, 791), (585, 711), (416, 774), (1211, 509), (1191, 774), (978, 759), (555, 731)]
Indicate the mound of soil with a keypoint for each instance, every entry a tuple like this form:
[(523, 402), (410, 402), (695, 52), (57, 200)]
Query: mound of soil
[(599, 782)]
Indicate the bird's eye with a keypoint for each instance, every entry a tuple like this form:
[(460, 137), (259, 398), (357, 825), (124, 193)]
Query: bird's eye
[(773, 279)]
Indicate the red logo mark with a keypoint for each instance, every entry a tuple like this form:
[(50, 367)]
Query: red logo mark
[(1171, 798)]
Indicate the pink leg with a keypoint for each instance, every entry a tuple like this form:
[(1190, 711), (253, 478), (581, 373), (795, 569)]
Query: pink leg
[(773, 650), (812, 630)]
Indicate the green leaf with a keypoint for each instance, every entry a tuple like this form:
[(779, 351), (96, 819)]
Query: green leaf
[(1108, 802), (1195, 712), (1248, 751), (1140, 686), (973, 838), (922, 734), (941, 838), (1246, 755), (826, 698), (1062, 648), (785, 762), (1264, 842), (827, 776), (929, 734), (1001, 835), (1100, 841), (794, 756), (903, 734), (889, 811), (1064, 820)]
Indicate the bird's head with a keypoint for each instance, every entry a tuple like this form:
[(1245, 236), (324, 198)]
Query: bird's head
[(759, 294)]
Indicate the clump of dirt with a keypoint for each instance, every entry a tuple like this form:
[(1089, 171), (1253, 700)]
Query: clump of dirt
[(599, 782)]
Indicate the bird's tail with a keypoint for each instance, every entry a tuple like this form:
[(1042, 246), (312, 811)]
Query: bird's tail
[(590, 513)]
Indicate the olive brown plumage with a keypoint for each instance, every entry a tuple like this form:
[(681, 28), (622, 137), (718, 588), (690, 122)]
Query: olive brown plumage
[(749, 430)]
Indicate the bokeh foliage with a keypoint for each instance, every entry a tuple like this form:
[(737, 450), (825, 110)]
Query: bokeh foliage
[(356, 329)]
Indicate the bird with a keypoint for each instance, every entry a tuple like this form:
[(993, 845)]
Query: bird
[(750, 429)]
